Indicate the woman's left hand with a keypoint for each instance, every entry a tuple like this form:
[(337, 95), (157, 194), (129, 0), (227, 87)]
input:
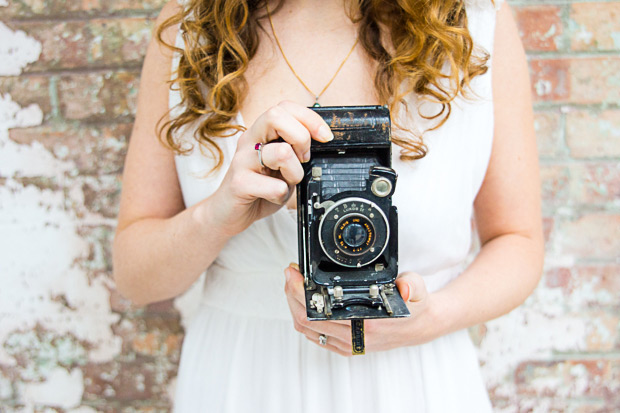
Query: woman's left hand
[(379, 334)]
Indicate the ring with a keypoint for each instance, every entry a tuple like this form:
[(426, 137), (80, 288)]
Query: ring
[(322, 339), (259, 148)]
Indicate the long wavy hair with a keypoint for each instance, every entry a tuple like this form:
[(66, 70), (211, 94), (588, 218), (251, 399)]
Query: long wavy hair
[(432, 55)]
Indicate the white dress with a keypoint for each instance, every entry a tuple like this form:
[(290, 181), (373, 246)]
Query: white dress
[(241, 352)]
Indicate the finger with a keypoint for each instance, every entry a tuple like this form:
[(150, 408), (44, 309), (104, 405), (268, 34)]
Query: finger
[(295, 285), (329, 345), (280, 156), (329, 328), (295, 123), (411, 286), (276, 122), (256, 185), (313, 122)]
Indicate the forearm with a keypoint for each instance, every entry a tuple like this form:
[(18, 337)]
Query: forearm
[(156, 259), (502, 276)]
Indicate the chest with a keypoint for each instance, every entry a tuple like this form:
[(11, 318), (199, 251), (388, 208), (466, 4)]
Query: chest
[(318, 57)]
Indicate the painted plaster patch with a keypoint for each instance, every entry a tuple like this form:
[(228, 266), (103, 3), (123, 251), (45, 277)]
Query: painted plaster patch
[(17, 50), (24, 160), (62, 389)]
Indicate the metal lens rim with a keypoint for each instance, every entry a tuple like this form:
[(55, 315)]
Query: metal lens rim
[(372, 226), (348, 200)]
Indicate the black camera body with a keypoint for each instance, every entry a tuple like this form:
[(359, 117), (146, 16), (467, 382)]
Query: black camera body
[(348, 227)]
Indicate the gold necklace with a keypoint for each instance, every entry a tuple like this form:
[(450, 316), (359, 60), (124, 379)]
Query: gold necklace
[(316, 97)]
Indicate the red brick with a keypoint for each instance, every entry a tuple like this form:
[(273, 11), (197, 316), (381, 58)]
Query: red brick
[(102, 195), (27, 90), (550, 79), (91, 43), (140, 380), (540, 27), (94, 149), (591, 236), (595, 26), (591, 80), (548, 226), (97, 96), (595, 183), (549, 134), (592, 134), (159, 336), (555, 180), (568, 378), (586, 286), (595, 80)]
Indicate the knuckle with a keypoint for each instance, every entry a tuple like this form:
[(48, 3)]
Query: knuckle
[(302, 319), (236, 182), (282, 190), (283, 153), (286, 103), (274, 114)]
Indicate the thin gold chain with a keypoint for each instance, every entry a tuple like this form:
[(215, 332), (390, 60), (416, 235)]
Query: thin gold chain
[(316, 97)]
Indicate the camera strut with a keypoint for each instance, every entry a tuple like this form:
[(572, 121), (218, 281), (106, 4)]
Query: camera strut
[(357, 336)]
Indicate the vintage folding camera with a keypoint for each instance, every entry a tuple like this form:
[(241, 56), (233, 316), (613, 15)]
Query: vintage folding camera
[(348, 227)]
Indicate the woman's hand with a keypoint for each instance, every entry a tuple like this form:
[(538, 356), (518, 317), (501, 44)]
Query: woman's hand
[(379, 334), (249, 191)]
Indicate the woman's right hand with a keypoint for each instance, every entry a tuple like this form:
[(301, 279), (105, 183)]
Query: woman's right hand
[(249, 191)]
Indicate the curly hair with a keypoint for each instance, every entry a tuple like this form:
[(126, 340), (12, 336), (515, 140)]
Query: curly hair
[(432, 55)]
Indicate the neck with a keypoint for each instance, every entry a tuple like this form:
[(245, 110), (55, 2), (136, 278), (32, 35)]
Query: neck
[(318, 11)]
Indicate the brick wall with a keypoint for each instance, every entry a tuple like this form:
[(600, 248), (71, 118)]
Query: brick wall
[(69, 73)]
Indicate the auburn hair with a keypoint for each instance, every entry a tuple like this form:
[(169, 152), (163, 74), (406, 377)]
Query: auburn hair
[(432, 55)]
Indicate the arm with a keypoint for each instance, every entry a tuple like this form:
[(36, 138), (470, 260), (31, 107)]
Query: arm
[(161, 248), (507, 208)]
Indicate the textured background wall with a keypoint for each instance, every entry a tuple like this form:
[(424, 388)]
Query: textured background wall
[(69, 73)]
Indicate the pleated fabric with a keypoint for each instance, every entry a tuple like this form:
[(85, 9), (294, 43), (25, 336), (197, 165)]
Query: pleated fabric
[(241, 352)]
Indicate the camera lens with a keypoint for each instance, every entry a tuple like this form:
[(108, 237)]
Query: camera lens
[(354, 235)]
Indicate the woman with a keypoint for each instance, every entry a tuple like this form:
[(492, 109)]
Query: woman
[(463, 145)]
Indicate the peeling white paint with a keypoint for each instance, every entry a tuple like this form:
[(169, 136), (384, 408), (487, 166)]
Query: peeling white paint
[(583, 35), (509, 340), (44, 283), (17, 50), (62, 389), (543, 87), (40, 246), (615, 37), (24, 160)]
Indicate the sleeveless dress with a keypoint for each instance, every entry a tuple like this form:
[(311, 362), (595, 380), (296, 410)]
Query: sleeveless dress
[(241, 352)]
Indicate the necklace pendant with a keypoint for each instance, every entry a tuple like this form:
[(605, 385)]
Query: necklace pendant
[(316, 103)]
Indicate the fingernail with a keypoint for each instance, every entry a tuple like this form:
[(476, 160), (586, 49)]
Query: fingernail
[(294, 265), (410, 287), (325, 133), (306, 156), (287, 274)]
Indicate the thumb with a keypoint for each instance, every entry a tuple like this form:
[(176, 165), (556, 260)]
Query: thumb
[(411, 286)]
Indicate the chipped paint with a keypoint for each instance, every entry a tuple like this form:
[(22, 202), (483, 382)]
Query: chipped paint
[(62, 389), (17, 50)]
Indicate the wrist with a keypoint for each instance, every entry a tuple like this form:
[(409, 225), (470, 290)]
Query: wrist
[(441, 314), (206, 220)]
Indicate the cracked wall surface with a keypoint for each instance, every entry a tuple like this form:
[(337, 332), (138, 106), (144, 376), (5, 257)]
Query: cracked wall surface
[(69, 75)]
